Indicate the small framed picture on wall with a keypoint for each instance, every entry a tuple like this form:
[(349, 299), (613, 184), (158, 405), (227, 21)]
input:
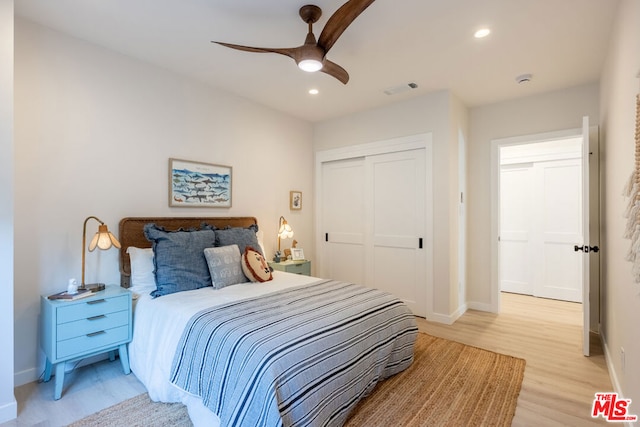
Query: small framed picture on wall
[(295, 200)]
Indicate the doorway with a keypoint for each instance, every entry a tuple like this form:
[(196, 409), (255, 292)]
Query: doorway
[(590, 258), (541, 218)]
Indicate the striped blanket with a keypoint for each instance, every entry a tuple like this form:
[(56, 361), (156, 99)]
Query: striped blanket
[(300, 357)]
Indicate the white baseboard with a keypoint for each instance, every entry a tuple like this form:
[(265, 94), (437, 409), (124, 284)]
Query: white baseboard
[(480, 306), (447, 319), (611, 368), (33, 374), (608, 359), (459, 312), (8, 411), (25, 377)]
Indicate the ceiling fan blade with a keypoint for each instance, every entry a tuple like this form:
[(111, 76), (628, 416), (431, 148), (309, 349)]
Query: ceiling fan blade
[(290, 52), (335, 70), (340, 20)]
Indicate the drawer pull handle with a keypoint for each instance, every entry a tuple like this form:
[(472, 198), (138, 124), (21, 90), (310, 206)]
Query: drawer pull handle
[(98, 301), (102, 316), (93, 334)]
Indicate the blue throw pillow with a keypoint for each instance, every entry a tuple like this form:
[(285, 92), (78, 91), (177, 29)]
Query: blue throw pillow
[(180, 264), (242, 237)]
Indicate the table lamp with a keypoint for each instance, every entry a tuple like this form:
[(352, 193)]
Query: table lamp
[(103, 239), (284, 231)]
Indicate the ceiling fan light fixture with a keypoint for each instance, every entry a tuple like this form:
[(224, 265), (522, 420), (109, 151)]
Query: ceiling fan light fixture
[(311, 56), (310, 65)]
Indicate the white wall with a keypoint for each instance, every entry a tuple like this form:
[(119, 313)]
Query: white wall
[(441, 114), (94, 131), (458, 135), (553, 111), (620, 295), (8, 406)]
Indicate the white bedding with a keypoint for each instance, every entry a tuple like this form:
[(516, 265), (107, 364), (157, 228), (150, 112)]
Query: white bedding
[(158, 325)]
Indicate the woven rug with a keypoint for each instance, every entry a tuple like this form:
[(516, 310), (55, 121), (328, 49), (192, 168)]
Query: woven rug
[(448, 384)]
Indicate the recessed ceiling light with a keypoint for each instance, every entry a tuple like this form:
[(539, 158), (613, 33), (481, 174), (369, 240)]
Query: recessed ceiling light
[(483, 32), (314, 91)]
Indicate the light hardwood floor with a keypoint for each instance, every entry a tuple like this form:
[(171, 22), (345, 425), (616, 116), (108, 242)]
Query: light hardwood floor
[(559, 382), (558, 388)]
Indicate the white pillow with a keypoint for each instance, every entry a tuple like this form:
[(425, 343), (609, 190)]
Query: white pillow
[(142, 267), (224, 266), (260, 236)]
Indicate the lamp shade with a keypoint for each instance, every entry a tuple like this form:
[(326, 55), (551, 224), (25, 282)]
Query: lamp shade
[(284, 231), (103, 239)]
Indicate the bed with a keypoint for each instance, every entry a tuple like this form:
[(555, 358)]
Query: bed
[(292, 350)]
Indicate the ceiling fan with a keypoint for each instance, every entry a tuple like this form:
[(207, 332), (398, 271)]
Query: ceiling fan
[(311, 56)]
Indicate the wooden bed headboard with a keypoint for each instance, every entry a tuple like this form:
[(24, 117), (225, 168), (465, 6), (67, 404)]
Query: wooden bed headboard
[(131, 233)]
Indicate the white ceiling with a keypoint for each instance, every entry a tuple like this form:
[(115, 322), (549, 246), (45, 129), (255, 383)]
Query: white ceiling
[(429, 42)]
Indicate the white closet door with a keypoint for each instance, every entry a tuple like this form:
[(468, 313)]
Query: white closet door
[(540, 222), (516, 208), (396, 217), (343, 220)]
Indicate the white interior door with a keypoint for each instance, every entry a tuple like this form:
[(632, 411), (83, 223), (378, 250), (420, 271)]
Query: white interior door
[(559, 228), (396, 254), (585, 234), (343, 213)]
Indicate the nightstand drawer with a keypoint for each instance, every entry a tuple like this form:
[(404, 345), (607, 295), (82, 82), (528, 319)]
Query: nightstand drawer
[(89, 342), (92, 308), (92, 324), (302, 268), (295, 267)]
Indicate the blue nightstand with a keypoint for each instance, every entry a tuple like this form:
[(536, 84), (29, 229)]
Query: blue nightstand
[(296, 267), (85, 327)]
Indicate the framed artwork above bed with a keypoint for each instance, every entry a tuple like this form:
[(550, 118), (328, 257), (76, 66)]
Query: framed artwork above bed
[(198, 184)]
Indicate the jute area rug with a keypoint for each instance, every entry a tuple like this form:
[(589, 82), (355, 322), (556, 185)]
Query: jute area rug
[(448, 384)]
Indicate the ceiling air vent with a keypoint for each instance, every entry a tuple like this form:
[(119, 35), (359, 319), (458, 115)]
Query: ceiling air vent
[(400, 88)]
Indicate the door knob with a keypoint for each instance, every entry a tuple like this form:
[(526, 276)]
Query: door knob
[(586, 248)]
